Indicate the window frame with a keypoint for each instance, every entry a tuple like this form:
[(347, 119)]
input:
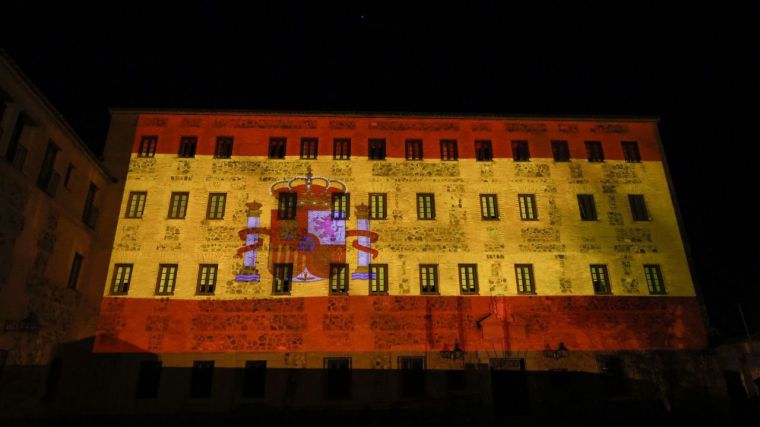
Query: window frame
[(286, 211), (638, 206), (223, 147), (373, 279), (344, 153), (413, 149), (278, 146), (336, 377), (336, 271), (520, 150), (463, 271), (585, 201), (594, 151), (377, 146), (116, 277), (136, 200), (449, 147), (428, 216), (188, 145), (560, 150), (631, 152), (166, 287), (652, 278), (183, 211), (309, 148), (486, 206), (201, 373), (148, 145), (483, 150), (380, 215), (217, 216), (595, 270), (75, 270), (278, 269), (521, 276), (525, 200), (206, 282), (425, 275), (344, 208)]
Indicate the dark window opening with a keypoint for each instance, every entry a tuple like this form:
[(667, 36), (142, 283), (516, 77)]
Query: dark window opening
[(223, 148), (69, 173), (414, 149), (55, 370), (283, 276), (638, 207), (631, 151), (149, 379), (76, 267), (520, 151), (148, 146), (255, 379), (309, 148), (560, 151), (587, 207), (483, 151), (594, 151), (376, 149), (338, 378), (49, 178), (187, 146), (412, 376), (90, 214), (341, 149), (277, 148), (201, 379), (449, 149)]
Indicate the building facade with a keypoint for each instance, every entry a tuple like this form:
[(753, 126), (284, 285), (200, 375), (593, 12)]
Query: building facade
[(252, 246)]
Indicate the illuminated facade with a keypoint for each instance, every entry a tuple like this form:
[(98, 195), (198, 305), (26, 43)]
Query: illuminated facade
[(385, 242)]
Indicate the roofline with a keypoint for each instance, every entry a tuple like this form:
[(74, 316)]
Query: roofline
[(396, 114), (57, 116)]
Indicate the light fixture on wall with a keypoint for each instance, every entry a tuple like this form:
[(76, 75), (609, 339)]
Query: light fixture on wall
[(557, 354)]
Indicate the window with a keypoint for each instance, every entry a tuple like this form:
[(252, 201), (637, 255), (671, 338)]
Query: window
[(338, 278), (468, 278), (277, 148), (69, 173), (167, 278), (309, 148), (428, 279), (341, 149), (412, 376), (76, 267), (527, 204), (520, 151), (337, 378), (425, 206), (223, 148), (148, 146), (449, 149), (376, 149), (414, 149), (283, 274), (286, 206), (122, 274), (638, 207), (378, 279), (377, 206), (594, 151), (524, 279), (631, 151), (488, 207), (587, 207), (90, 214), (340, 202), (48, 179), (187, 146), (255, 379), (653, 275), (178, 205), (136, 204), (216, 203), (483, 151), (149, 379), (560, 151), (600, 279), (202, 378), (206, 279), (16, 153)]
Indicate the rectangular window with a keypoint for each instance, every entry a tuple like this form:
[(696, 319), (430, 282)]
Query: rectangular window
[(202, 378), (149, 379), (136, 204), (122, 274), (338, 278), (600, 279), (428, 278), (376, 149), (187, 145), (341, 149), (378, 279), (488, 207), (223, 148), (90, 214), (148, 146), (653, 274), (560, 151), (520, 151), (587, 207), (638, 207), (340, 202), (414, 149), (468, 278), (277, 148), (412, 376), (524, 279), (449, 149), (425, 206), (178, 205), (483, 151), (631, 151), (527, 204), (48, 179), (255, 379), (286, 206), (337, 377), (216, 204), (167, 279), (283, 275), (309, 148), (594, 151), (76, 267), (16, 153), (207, 279), (69, 173), (378, 206)]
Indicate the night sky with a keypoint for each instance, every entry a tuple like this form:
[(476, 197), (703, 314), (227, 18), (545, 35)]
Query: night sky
[(697, 69)]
